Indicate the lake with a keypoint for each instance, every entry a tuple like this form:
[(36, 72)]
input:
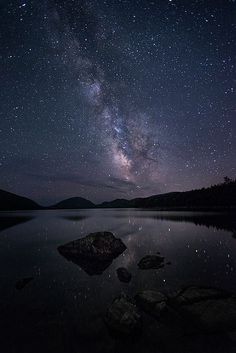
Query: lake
[(61, 309)]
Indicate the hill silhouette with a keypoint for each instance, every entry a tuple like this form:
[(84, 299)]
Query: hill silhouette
[(74, 203), (220, 196), (11, 202)]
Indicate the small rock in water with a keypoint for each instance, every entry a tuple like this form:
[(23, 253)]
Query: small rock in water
[(123, 317), (123, 274), (151, 262), (23, 282)]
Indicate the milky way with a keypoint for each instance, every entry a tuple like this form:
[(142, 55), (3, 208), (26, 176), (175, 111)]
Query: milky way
[(123, 130), (106, 99)]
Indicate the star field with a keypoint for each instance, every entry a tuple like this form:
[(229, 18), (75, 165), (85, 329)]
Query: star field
[(107, 99)]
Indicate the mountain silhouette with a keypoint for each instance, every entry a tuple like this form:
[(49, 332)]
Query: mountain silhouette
[(220, 196), (74, 203), (217, 196), (11, 202)]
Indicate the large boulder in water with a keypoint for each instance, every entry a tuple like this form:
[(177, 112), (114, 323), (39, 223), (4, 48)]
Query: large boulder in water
[(123, 317), (93, 253)]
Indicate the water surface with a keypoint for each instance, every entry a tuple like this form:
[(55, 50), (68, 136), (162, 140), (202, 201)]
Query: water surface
[(61, 309)]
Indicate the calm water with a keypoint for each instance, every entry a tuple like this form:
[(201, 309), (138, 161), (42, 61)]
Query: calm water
[(61, 310)]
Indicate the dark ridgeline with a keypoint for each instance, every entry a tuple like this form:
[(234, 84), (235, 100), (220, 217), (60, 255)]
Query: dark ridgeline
[(11, 202), (220, 196), (118, 203), (215, 197)]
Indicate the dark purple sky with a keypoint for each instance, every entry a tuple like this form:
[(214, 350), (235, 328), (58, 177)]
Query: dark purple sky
[(107, 99)]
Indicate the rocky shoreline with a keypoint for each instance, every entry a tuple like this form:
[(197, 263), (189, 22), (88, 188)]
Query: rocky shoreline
[(157, 317)]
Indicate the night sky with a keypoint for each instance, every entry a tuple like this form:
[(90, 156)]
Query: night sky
[(116, 99)]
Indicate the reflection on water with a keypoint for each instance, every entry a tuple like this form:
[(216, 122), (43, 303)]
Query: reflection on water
[(11, 220), (224, 221), (89, 266), (61, 310), (75, 218)]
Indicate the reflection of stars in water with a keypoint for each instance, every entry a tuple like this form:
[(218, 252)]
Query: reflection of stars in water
[(130, 256)]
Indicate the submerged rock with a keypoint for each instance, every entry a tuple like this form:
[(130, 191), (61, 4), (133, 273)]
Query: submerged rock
[(151, 262), (152, 302), (23, 282), (123, 274), (93, 253), (209, 309), (194, 312), (123, 317), (195, 294), (214, 314)]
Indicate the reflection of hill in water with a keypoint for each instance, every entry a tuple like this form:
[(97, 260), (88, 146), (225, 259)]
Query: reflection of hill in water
[(223, 221), (7, 222)]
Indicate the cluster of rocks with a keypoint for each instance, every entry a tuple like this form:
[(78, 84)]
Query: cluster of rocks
[(95, 252), (148, 262), (193, 310)]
